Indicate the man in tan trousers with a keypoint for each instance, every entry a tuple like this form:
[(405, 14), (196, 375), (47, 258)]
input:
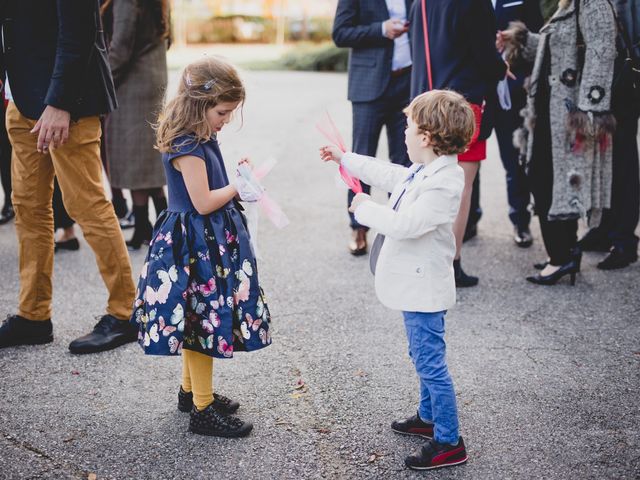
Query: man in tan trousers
[(60, 83)]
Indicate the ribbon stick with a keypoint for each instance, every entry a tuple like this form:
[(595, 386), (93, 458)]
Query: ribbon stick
[(253, 191), (331, 133)]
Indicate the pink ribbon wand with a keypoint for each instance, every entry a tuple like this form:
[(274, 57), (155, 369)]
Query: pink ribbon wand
[(269, 206), (332, 134)]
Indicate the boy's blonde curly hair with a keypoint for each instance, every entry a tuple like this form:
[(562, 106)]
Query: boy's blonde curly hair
[(203, 85), (447, 117)]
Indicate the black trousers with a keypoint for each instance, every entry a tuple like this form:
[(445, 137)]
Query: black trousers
[(619, 223), (560, 236), (370, 117), (5, 159)]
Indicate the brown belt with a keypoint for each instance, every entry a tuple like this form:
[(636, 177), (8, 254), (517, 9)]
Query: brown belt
[(400, 72)]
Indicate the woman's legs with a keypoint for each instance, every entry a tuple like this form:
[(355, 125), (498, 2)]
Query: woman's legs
[(460, 223), (143, 228), (470, 172)]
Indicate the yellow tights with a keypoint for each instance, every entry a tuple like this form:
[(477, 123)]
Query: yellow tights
[(197, 377)]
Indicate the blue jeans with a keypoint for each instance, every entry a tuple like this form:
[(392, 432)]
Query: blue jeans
[(427, 349)]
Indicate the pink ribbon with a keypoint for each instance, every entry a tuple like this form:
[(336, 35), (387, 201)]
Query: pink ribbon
[(331, 133), (268, 205)]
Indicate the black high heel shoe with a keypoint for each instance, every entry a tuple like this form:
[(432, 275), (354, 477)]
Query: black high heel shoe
[(571, 269), (576, 255)]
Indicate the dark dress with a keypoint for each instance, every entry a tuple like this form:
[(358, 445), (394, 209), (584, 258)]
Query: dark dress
[(199, 287)]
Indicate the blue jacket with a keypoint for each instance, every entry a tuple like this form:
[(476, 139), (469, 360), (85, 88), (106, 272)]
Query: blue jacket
[(54, 54), (358, 26), (462, 43)]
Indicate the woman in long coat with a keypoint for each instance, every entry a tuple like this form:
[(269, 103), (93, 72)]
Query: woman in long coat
[(568, 124), (139, 33)]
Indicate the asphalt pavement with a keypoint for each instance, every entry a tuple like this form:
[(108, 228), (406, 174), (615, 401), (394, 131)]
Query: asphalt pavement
[(547, 378)]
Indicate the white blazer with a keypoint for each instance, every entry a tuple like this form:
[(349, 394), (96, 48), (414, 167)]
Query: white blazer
[(414, 272)]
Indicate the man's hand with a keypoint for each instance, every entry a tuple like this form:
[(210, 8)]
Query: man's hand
[(329, 153), (52, 128), (393, 28), (358, 200)]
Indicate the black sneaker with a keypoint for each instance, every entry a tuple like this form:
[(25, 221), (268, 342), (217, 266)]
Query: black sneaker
[(413, 426), (437, 455), (109, 333), (16, 330), (220, 402), (618, 258), (462, 279), (212, 422)]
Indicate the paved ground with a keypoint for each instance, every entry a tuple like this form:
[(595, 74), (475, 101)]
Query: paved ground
[(548, 378)]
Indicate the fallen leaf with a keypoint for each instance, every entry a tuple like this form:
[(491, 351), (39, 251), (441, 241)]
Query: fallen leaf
[(92, 476), (360, 373), (67, 440), (75, 372), (323, 430)]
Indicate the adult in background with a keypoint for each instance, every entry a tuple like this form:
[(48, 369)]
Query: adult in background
[(138, 33), (379, 80), (616, 232), (506, 121), (463, 58), (569, 123), (6, 213), (54, 126)]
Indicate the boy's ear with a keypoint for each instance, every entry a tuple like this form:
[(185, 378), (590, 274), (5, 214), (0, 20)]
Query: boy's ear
[(426, 140)]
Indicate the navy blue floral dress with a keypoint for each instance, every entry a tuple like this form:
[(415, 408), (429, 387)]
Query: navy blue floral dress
[(199, 287)]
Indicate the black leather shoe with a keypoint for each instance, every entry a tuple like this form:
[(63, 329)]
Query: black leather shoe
[(128, 221), (358, 245), (212, 422), (413, 426), (72, 244), (7, 214), (618, 258), (523, 237), (220, 402), (593, 242), (16, 330), (108, 334)]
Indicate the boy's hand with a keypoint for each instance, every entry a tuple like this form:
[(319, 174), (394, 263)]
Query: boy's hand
[(329, 152), (358, 200)]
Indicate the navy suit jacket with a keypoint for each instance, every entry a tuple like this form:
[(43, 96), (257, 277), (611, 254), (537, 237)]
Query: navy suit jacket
[(462, 43), (358, 25), (54, 54)]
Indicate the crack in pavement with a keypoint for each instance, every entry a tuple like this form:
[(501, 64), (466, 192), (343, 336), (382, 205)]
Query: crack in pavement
[(63, 465)]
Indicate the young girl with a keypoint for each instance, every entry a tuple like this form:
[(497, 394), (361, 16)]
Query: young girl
[(198, 292)]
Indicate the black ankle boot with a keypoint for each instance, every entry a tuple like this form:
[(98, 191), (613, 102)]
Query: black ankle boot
[(143, 229), (220, 403), (462, 279), (212, 422)]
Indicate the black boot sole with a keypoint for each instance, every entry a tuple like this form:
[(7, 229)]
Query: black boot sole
[(30, 341)]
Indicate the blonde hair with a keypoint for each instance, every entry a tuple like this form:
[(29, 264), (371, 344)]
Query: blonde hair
[(203, 85), (447, 117)]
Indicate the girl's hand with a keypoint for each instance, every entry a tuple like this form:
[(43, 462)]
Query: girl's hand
[(246, 161), (329, 153), (358, 200)]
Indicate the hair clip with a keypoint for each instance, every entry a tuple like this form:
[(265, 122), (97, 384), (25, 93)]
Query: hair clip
[(207, 86), (187, 80)]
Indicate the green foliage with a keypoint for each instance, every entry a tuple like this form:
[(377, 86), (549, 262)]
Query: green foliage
[(325, 57)]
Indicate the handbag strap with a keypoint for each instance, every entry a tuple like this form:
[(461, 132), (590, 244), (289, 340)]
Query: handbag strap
[(427, 50)]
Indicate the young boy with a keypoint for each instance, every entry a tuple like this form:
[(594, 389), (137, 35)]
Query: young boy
[(414, 268)]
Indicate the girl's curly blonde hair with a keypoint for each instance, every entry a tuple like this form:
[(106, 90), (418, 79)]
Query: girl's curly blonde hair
[(447, 117), (203, 85)]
